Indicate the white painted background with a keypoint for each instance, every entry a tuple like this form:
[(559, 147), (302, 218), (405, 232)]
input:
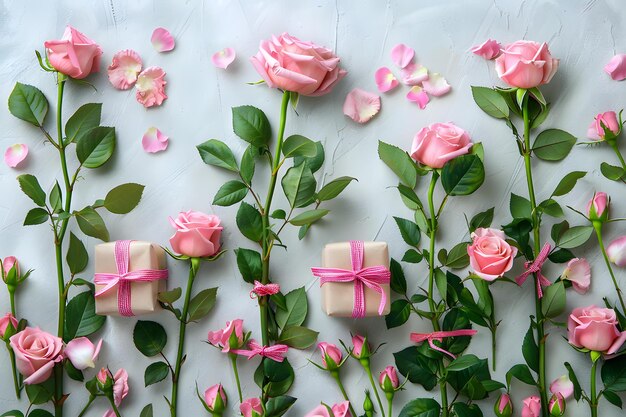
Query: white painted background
[(583, 34)]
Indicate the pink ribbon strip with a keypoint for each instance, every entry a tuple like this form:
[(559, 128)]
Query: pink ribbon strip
[(371, 277), (124, 278), (264, 289), (534, 267), (439, 336), (275, 352)]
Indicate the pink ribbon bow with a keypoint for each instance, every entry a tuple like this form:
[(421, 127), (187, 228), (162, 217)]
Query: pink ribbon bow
[(264, 289), (275, 352), (124, 278), (439, 336), (371, 277), (534, 267)]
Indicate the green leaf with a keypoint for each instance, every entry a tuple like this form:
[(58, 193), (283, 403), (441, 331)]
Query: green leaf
[(409, 198), (55, 198), (147, 411), (298, 337), (83, 120), (280, 377), (553, 144), (421, 407), (278, 406), (36, 216), (462, 175), (155, 372), (123, 198), (251, 125), (297, 145), (314, 163), (520, 372), (561, 256), (399, 162), (491, 102), (469, 381), (217, 153), (39, 412), (572, 377), (613, 374), (297, 309), (520, 207), (230, 193), (613, 398), (568, 183), (279, 214), (95, 147), (72, 372), (249, 264), (413, 364), (77, 256), (28, 103), (482, 219), (81, 318), (575, 237), (169, 297), (309, 217), (334, 188), (464, 410), (398, 281), (202, 304), (412, 256), (462, 362), (612, 172), (39, 393), (248, 161), (458, 257), (249, 222), (551, 208), (30, 186), (530, 350), (12, 413), (91, 224), (399, 314), (409, 231), (149, 337), (299, 185)]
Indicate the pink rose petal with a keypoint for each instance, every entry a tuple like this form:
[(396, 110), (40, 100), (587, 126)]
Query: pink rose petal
[(124, 68), (414, 74), (361, 105), (15, 154), (385, 80), (151, 87), (436, 85), (154, 141), (402, 55), (419, 96), (616, 67), (563, 386), (489, 49), (225, 57), (162, 40)]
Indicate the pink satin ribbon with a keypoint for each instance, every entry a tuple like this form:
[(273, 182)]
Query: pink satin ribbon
[(264, 289), (534, 267), (371, 277), (275, 352), (124, 278), (439, 336)]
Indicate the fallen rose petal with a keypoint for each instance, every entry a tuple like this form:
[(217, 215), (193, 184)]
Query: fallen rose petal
[(616, 67), (414, 74), (124, 69), (489, 49), (402, 55), (162, 40), (361, 105), (154, 141), (15, 154), (385, 80), (419, 96), (436, 85), (223, 58), (151, 87), (563, 386)]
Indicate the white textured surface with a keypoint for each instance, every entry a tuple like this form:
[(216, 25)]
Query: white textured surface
[(583, 34)]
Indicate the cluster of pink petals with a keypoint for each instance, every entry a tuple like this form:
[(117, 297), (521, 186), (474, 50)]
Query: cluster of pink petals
[(489, 49), (225, 57), (154, 140), (15, 154), (616, 67), (162, 40)]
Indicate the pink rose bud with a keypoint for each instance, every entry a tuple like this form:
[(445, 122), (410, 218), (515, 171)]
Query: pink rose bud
[(578, 272), (331, 355), (215, 399), (319, 411), (490, 254), (82, 353), (598, 207), (556, 406), (74, 55), (8, 263), (388, 379), (287, 63), (341, 409), (532, 407), (562, 385), (230, 337), (526, 64), (595, 328), (489, 49), (616, 251), (251, 407), (438, 143), (103, 376), (604, 126), (4, 325), (503, 407), (360, 347), (36, 353), (197, 234)]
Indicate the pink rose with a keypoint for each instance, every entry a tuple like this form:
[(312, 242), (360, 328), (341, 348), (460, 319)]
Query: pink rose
[(604, 120), (526, 64), (490, 255), (595, 328), (597, 207), (503, 407), (556, 406), (532, 407), (36, 352), (287, 63), (438, 143), (578, 272), (4, 323), (197, 234), (251, 407), (338, 410), (215, 398), (74, 55), (388, 379), (358, 342), (120, 388), (489, 49), (230, 337), (616, 251), (331, 355)]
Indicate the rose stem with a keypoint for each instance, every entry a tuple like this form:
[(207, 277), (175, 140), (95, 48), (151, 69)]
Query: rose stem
[(598, 228), (335, 374), (368, 370), (233, 361), (593, 403)]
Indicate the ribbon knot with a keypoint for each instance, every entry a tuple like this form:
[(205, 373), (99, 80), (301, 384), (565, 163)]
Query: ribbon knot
[(371, 277), (274, 352), (534, 267), (261, 290), (123, 278), (439, 336)]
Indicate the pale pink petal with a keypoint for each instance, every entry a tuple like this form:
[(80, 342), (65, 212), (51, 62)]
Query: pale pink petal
[(154, 141), (578, 271), (151, 87), (417, 95), (82, 352), (124, 68), (563, 386), (385, 80), (402, 55), (616, 67), (489, 49), (223, 58), (414, 74), (15, 154), (436, 85), (361, 105), (162, 40)]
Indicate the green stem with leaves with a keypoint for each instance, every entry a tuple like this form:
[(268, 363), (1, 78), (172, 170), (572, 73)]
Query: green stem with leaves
[(598, 228), (368, 370), (86, 407), (614, 146), (233, 362), (114, 407), (335, 375)]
